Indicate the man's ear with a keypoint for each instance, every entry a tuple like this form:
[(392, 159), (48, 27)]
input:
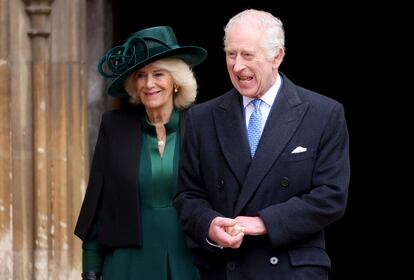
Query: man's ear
[(277, 60)]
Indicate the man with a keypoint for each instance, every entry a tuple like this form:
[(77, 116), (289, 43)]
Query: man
[(257, 209)]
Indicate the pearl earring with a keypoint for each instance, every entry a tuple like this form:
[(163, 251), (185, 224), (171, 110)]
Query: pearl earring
[(175, 89)]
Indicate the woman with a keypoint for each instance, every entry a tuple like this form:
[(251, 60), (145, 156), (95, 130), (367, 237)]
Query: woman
[(128, 225)]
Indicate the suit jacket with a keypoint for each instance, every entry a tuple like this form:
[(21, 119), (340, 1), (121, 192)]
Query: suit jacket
[(296, 194), (113, 180)]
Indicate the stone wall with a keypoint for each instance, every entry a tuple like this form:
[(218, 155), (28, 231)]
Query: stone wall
[(47, 51)]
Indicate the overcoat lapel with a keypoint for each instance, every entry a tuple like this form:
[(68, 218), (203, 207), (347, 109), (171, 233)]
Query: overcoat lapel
[(285, 116), (130, 142), (231, 133)]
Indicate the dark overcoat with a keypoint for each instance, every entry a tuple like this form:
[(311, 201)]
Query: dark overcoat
[(297, 183)]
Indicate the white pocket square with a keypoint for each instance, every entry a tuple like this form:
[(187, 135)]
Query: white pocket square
[(299, 149)]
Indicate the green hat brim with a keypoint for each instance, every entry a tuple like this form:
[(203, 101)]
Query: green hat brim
[(190, 54)]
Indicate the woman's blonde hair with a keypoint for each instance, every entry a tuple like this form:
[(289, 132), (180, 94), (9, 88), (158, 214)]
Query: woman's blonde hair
[(182, 75)]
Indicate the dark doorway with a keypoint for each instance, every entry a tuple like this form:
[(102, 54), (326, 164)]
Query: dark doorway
[(313, 50)]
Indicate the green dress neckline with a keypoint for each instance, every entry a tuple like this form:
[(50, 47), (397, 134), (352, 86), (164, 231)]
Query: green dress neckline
[(171, 126)]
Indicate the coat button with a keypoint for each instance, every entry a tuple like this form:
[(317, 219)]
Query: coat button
[(231, 266), (220, 184), (284, 182), (274, 260)]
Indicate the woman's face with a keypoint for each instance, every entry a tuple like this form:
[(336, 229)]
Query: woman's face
[(154, 86)]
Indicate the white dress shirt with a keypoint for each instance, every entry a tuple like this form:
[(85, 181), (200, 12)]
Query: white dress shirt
[(268, 98)]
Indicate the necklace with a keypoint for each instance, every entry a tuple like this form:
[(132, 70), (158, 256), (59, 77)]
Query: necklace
[(161, 143)]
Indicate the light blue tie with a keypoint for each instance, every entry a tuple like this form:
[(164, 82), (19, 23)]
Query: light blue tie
[(254, 129)]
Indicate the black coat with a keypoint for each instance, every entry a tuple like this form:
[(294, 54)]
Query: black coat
[(113, 180), (296, 194)]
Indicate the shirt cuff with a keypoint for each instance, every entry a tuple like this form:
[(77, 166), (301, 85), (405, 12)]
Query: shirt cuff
[(213, 244)]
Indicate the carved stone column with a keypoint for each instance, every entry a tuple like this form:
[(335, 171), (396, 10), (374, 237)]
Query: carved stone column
[(60, 134), (43, 137), (6, 229), (38, 11)]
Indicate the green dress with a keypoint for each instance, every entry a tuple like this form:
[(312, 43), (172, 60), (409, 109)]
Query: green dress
[(163, 255)]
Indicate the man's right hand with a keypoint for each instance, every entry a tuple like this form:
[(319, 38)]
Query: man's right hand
[(226, 232)]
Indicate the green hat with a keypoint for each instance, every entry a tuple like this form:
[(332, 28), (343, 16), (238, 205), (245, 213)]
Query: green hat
[(140, 49)]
